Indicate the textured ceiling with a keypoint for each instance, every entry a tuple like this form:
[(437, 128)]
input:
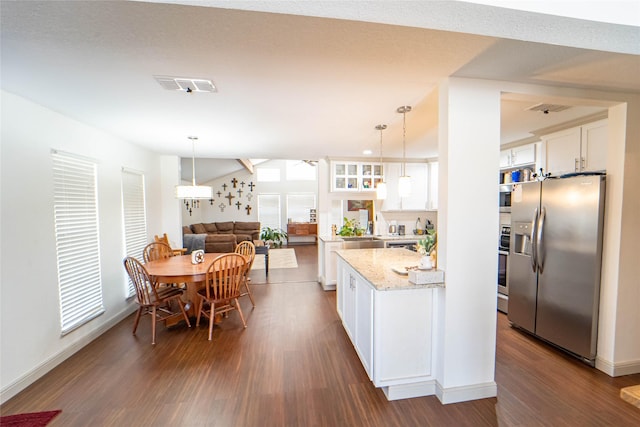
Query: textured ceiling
[(289, 86)]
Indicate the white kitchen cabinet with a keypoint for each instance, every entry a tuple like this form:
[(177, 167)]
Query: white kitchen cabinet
[(419, 198), (578, 149), (518, 156), (355, 176), (327, 262), (391, 331)]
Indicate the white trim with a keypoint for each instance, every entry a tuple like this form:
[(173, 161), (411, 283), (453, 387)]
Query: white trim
[(408, 391), (618, 369), (466, 393)]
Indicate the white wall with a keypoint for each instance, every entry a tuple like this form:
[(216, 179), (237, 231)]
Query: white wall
[(213, 213), (30, 339)]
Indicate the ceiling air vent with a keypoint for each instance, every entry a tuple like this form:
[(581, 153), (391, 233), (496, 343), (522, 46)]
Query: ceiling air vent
[(548, 108), (185, 84)]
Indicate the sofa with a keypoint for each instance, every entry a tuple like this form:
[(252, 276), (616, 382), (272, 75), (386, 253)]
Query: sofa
[(224, 236)]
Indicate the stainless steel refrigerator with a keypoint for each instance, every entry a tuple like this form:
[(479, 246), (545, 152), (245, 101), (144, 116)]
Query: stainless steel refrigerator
[(555, 260)]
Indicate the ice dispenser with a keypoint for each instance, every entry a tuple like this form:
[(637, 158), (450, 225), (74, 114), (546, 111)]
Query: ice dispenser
[(522, 238)]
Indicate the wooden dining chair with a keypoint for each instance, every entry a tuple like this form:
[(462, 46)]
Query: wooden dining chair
[(165, 239), (151, 299), (156, 250), (247, 249), (222, 288)]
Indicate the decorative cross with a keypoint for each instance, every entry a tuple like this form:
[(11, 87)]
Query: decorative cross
[(242, 184), (229, 196), (224, 187), (221, 206), (238, 204), (248, 208), (249, 196), (219, 194), (239, 193), (251, 185), (211, 202), (234, 182)]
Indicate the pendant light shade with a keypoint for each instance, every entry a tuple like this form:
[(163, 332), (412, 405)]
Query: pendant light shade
[(193, 191), (381, 187), (404, 183)]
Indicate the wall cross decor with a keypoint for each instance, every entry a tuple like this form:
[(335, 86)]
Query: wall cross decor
[(221, 206), (234, 182), (229, 196), (249, 196), (219, 194), (242, 184), (239, 193), (224, 187), (238, 204), (251, 185), (248, 208), (211, 201)]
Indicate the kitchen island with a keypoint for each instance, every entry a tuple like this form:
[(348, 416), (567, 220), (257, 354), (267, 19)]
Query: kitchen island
[(390, 321)]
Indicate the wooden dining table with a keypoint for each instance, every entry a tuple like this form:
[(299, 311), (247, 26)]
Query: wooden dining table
[(179, 269)]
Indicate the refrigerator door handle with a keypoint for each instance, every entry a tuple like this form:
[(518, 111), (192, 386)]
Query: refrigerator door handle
[(534, 245), (540, 240)]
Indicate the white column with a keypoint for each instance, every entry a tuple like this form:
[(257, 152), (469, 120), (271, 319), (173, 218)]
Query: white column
[(171, 213), (469, 151)]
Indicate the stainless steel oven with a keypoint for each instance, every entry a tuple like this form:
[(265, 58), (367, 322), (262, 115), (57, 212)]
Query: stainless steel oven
[(505, 198), (503, 268)]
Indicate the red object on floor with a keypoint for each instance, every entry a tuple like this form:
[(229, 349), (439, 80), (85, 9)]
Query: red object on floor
[(33, 419)]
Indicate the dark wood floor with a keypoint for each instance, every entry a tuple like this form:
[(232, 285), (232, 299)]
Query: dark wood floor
[(295, 366)]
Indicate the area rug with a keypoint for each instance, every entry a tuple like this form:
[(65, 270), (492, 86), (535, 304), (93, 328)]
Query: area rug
[(33, 419), (278, 258)]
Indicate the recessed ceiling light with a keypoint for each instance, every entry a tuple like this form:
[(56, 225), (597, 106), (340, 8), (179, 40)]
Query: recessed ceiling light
[(367, 152), (186, 84)]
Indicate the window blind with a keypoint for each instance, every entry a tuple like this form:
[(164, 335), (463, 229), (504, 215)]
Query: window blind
[(134, 218), (77, 240), (269, 210)]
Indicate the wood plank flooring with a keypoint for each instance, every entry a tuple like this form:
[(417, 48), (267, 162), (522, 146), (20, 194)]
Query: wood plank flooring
[(295, 366)]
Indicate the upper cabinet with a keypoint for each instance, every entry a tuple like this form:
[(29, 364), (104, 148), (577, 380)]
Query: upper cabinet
[(578, 149), (355, 176), (419, 199), (518, 156)]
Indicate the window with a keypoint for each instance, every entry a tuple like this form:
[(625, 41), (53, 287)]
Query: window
[(299, 207), (268, 174), (269, 210), (77, 240), (299, 170), (134, 218)]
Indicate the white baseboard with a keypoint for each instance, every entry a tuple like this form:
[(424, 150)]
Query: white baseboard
[(466, 393), (32, 376), (618, 369), (408, 391), (326, 286)]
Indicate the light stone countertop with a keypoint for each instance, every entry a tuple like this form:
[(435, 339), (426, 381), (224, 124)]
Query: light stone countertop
[(375, 265), (408, 237)]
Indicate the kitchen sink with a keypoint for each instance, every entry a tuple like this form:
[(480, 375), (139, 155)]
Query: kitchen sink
[(362, 243)]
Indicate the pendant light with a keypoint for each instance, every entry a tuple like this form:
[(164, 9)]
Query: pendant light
[(381, 188), (404, 183), (193, 191)]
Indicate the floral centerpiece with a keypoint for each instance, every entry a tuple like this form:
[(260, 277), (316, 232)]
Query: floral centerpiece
[(427, 248), (351, 227)]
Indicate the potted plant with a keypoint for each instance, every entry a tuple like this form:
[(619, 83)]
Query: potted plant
[(351, 227), (427, 248), (276, 236)]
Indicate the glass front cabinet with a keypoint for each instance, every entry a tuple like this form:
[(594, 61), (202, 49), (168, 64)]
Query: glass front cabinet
[(355, 176)]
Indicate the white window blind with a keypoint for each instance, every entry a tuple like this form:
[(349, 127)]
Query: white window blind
[(77, 240), (269, 210), (134, 218), (299, 207)]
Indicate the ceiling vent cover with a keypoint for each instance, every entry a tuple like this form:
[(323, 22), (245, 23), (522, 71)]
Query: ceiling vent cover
[(186, 84), (548, 108)]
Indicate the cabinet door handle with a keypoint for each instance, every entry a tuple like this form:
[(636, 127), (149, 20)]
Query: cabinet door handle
[(575, 167), (583, 161)]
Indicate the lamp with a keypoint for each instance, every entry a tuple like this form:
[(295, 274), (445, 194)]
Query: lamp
[(404, 183), (193, 191), (381, 188)]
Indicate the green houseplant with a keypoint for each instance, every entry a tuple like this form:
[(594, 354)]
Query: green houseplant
[(274, 235), (350, 227)]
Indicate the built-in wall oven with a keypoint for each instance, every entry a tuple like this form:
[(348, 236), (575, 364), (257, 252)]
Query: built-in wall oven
[(505, 197), (503, 268)]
